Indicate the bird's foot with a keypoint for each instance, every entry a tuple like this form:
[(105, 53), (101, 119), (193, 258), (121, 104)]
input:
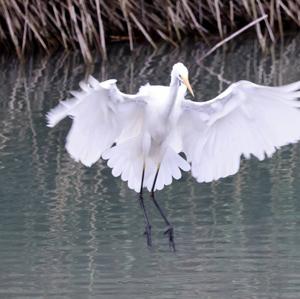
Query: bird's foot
[(147, 233), (170, 232)]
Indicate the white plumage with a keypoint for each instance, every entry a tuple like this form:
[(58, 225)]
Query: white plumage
[(149, 130)]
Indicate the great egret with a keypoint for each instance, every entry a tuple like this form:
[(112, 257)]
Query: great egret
[(142, 135)]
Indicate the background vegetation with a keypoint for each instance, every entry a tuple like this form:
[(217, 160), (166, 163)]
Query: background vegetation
[(92, 24)]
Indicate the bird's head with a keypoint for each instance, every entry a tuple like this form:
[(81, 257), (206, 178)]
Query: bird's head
[(181, 73)]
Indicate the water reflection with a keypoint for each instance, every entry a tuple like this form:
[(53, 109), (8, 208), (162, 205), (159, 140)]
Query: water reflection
[(67, 231)]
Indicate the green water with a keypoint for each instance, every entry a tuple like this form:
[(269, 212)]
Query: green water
[(67, 231)]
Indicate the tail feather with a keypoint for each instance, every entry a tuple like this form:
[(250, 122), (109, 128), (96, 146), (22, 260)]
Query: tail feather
[(125, 173), (170, 167), (126, 160)]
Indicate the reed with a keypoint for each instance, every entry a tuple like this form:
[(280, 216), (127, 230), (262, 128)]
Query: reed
[(92, 24)]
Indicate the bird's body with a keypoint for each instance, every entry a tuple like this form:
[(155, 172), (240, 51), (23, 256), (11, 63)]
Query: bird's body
[(142, 135), (157, 124)]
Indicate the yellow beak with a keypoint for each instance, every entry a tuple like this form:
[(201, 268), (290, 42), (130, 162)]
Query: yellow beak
[(186, 82)]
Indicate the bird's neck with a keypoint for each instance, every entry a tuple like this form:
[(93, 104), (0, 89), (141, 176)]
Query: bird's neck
[(172, 96)]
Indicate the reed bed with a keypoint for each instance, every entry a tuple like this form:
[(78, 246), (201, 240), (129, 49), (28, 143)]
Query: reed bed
[(93, 24)]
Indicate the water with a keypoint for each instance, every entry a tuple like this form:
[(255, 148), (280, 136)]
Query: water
[(67, 231)]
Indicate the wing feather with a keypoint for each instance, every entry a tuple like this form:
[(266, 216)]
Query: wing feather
[(246, 119), (101, 114)]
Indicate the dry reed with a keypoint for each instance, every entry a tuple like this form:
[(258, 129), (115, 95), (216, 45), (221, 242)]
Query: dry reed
[(91, 24)]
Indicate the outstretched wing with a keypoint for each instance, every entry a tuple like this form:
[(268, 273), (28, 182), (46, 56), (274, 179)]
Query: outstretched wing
[(246, 119), (101, 114)]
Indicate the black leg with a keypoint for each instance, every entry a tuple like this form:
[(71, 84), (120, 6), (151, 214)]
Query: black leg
[(169, 230), (147, 223)]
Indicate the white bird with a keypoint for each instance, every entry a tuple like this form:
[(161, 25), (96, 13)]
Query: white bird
[(142, 135)]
